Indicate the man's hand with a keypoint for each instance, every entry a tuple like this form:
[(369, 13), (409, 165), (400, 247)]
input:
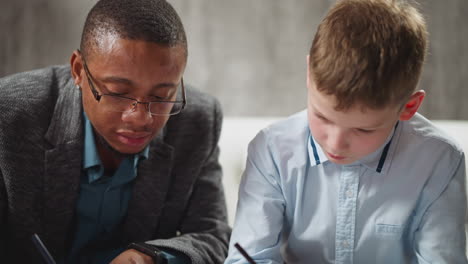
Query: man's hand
[(132, 256)]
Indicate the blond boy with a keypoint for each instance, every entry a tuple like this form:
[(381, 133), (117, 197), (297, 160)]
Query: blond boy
[(359, 177)]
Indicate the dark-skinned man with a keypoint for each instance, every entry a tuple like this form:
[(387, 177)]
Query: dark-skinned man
[(112, 159)]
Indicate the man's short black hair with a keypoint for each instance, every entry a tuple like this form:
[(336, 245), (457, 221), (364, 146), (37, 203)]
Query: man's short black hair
[(148, 20)]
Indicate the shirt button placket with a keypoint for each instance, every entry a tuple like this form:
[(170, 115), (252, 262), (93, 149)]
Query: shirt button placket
[(346, 214)]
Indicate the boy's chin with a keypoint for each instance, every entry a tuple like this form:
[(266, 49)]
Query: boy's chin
[(340, 162)]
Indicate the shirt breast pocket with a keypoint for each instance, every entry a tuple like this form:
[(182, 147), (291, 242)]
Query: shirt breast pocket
[(389, 231)]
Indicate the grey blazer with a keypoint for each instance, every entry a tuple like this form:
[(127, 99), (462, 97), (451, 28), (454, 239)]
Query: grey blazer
[(178, 200)]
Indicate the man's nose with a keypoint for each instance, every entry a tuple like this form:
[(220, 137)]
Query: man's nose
[(138, 115)]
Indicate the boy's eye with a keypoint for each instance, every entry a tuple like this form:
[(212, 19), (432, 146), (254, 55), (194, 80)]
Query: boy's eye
[(322, 118), (365, 131)]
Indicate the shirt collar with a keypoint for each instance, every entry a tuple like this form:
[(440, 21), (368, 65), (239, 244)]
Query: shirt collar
[(144, 154), (316, 155), (91, 156), (374, 161)]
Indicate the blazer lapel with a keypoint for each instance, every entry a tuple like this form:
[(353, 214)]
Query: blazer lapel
[(149, 192), (62, 168)]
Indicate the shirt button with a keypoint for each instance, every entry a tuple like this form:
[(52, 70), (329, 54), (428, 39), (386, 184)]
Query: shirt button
[(349, 194), (345, 244)]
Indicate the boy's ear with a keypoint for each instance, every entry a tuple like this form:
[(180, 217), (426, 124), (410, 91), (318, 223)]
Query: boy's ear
[(76, 65), (412, 105), (308, 70)]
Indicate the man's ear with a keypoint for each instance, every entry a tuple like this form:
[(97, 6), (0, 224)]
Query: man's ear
[(76, 65), (412, 105)]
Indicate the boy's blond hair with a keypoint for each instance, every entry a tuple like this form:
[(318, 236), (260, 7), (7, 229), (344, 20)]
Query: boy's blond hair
[(369, 53)]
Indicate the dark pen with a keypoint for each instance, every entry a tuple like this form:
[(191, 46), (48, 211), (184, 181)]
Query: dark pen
[(42, 249), (246, 256)]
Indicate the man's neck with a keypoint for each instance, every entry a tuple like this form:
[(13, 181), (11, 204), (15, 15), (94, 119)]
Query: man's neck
[(109, 159)]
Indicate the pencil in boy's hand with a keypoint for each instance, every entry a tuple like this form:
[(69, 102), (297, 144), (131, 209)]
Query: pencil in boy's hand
[(246, 256)]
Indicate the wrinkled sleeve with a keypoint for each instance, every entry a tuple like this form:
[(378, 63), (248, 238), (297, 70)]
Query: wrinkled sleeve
[(3, 214), (260, 208), (441, 237)]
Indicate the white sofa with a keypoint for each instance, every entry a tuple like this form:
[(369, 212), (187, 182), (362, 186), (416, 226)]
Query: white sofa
[(237, 133)]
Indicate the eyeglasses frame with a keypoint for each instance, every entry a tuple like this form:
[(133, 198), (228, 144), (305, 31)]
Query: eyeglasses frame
[(98, 96)]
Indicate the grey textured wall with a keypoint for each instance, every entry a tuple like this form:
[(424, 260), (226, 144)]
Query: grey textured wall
[(249, 53)]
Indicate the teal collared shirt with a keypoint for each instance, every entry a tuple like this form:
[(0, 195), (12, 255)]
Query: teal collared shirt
[(102, 203)]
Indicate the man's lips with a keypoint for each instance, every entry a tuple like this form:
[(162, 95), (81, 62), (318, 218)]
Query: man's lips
[(130, 134), (133, 138)]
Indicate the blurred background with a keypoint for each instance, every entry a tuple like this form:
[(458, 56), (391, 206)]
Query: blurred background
[(251, 54)]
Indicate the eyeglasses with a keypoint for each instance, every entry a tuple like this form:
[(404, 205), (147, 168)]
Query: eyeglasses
[(120, 103)]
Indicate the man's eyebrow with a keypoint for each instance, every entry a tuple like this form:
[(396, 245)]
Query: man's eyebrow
[(165, 85), (114, 79)]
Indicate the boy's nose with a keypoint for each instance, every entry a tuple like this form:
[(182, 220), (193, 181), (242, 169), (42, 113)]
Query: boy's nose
[(338, 141)]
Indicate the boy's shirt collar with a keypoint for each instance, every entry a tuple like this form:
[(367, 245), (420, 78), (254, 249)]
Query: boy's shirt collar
[(316, 154), (378, 160)]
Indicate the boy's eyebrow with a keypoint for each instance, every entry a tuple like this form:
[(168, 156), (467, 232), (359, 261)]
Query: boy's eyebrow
[(378, 125), (317, 112)]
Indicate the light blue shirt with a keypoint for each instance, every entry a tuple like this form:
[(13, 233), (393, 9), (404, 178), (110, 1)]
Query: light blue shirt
[(404, 203)]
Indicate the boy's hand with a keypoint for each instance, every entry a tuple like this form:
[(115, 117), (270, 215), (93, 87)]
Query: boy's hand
[(132, 256)]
